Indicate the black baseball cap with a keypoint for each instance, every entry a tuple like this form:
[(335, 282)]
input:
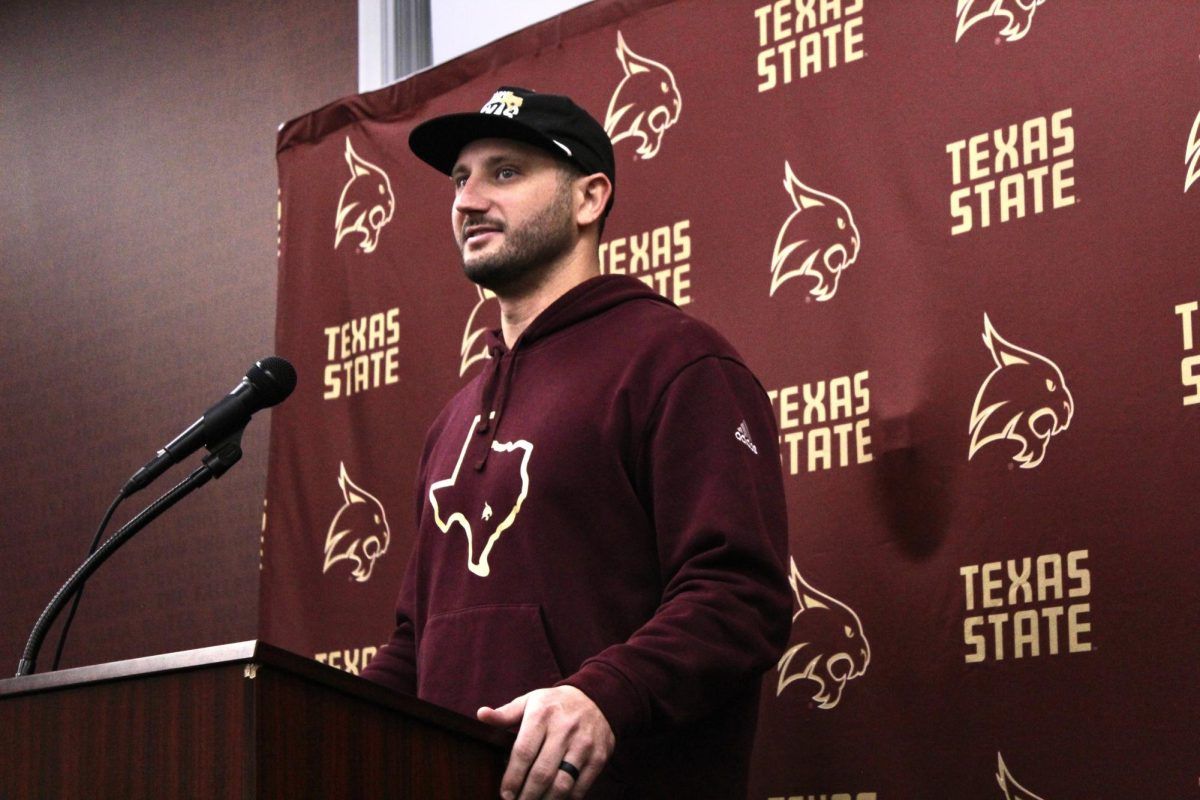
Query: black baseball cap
[(551, 122)]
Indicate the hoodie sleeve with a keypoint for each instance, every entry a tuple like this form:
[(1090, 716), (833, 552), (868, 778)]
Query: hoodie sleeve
[(710, 473)]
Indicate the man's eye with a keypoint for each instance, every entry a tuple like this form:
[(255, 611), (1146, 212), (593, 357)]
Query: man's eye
[(506, 172)]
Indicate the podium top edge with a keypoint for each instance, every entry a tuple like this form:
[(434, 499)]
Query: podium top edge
[(260, 654), (165, 662)]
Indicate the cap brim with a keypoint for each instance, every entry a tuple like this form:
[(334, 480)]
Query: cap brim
[(438, 141)]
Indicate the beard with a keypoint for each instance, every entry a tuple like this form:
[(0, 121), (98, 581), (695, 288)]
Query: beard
[(528, 251)]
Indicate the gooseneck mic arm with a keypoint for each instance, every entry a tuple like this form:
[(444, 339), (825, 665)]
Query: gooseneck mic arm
[(223, 456), (219, 430)]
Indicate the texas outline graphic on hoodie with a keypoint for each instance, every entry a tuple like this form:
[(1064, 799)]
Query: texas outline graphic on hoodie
[(479, 565)]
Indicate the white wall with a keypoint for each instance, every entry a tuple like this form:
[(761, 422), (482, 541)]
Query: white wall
[(463, 25), (458, 26)]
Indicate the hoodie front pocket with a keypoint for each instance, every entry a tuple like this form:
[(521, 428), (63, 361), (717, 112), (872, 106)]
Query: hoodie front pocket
[(484, 656)]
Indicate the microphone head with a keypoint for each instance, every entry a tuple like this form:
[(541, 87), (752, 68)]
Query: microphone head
[(273, 379)]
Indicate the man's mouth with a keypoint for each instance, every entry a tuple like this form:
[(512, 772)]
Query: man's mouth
[(479, 232)]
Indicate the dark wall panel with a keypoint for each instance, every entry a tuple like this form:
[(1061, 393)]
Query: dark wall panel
[(137, 281)]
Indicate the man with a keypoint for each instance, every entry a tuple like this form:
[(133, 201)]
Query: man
[(601, 527)]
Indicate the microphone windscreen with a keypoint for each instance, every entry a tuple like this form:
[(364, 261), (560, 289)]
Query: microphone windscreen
[(273, 378)]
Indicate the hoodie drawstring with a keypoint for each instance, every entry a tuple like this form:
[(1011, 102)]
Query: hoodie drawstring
[(494, 396)]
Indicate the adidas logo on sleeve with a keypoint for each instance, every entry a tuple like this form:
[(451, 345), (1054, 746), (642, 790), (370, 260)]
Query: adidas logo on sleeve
[(742, 434)]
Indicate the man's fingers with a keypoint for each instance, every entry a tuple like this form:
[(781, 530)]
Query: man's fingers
[(506, 716), (545, 779), (589, 766), (525, 749), (557, 724)]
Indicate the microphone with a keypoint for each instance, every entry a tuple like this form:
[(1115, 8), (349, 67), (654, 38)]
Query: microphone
[(265, 384)]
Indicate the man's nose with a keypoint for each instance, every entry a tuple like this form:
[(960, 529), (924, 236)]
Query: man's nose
[(470, 197)]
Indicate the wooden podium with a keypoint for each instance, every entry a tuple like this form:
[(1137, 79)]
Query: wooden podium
[(244, 720)]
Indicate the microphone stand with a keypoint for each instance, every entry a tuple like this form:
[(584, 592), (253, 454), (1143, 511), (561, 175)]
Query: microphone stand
[(221, 457)]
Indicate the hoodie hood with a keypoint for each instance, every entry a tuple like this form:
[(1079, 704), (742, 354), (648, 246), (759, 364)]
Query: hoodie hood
[(589, 299)]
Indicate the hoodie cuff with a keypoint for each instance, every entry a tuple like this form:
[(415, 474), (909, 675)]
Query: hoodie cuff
[(613, 694)]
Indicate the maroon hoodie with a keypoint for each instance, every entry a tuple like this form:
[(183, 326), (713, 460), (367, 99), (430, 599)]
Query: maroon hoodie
[(603, 507)]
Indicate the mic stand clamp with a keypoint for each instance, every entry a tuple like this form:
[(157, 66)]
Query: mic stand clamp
[(224, 454)]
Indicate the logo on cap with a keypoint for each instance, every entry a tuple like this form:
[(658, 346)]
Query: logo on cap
[(503, 104)]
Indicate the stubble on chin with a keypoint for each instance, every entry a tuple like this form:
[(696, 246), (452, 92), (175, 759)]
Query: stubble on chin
[(526, 253)]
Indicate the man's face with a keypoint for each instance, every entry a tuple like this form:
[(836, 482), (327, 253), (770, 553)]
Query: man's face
[(512, 214)]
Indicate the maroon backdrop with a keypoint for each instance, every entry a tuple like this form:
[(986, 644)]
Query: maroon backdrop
[(956, 244)]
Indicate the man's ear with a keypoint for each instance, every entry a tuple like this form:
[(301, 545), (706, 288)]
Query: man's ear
[(592, 193)]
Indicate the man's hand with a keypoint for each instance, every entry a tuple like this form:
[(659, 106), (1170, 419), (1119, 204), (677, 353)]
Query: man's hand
[(558, 724)]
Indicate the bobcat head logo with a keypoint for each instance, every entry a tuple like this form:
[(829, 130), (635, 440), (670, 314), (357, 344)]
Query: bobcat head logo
[(359, 532), (1012, 790), (366, 204), (1017, 13), (819, 239), (474, 344), (455, 500), (1192, 156), (1025, 399), (831, 648), (645, 104)]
